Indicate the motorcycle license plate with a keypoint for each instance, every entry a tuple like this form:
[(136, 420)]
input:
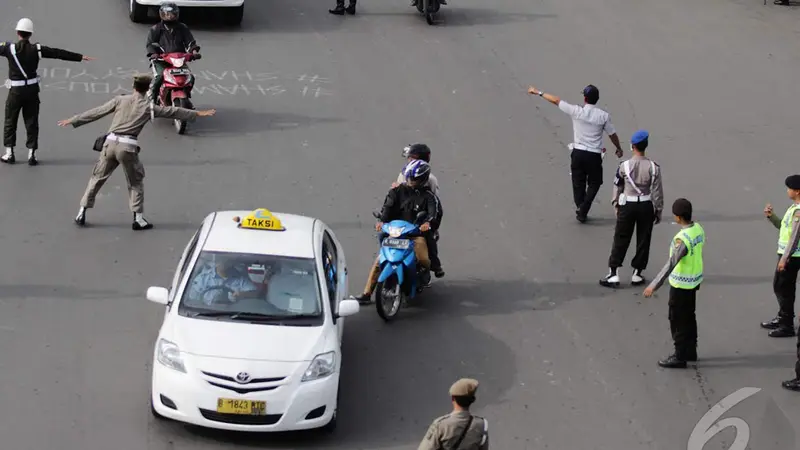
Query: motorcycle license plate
[(179, 71), (396, 243)]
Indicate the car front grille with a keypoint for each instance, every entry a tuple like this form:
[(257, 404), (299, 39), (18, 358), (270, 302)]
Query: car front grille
[(239, 419), (254, 385)]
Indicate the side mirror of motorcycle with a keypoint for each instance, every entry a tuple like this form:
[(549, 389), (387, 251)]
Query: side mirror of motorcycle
[(376, 214)]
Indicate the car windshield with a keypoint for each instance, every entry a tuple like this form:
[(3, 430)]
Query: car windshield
[(250, 287)]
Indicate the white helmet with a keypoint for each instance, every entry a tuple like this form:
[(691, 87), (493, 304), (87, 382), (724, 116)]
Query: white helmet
[(25, 25)]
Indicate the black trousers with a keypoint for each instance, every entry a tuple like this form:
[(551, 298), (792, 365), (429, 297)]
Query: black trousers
[(797, 364), (683, 321), (353, 2), (587, 177), (784, 284), (25, 100), (638, 215)]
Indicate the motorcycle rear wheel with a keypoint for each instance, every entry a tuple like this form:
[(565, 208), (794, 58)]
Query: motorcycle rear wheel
[(180, 125), (388, 298)]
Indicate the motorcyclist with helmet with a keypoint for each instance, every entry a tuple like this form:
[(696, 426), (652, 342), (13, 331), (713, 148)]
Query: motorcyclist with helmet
[(167, 36), (421, 151), (405, 202)]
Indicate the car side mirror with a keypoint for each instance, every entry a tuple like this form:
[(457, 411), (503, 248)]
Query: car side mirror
[(348, 308), (159, 295)]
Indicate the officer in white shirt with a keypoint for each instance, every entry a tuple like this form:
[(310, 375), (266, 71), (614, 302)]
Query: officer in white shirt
[(588, 124)]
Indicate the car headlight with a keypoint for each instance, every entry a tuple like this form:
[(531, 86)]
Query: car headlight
[(170, 355), (322, 366)]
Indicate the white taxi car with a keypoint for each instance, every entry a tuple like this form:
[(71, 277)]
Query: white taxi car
[(232, 10), (251, 339)]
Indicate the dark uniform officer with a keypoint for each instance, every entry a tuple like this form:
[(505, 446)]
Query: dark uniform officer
[(639, 200), (459, 430), (121, 147), (167, 36), (23, 84), (785, 280), (685, 272)]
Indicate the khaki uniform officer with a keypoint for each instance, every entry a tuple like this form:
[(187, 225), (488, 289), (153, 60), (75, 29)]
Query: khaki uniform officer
[(131, 114), (459, 430)]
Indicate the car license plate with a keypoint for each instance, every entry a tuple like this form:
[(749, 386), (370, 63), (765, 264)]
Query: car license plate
[(242, 407), (396, 243), (179, 71)]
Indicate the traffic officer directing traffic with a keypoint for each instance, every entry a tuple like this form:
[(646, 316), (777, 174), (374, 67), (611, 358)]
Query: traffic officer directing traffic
[(638, 200), (23, 84), (588, 124), (121, 146), (460, 429), (685, 271), (784, 282)]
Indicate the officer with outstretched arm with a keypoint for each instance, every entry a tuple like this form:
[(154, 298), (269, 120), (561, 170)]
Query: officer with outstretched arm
[(121, 146), (23, 87)]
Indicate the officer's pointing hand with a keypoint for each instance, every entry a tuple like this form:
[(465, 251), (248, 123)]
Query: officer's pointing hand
[(207, 113), (648, 292), (64, 123), (532, 90), (87, 58)]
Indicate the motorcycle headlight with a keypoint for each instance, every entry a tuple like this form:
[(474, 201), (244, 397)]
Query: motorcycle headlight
[(170, 355), (395, 231), (322, 366), (178, 62)]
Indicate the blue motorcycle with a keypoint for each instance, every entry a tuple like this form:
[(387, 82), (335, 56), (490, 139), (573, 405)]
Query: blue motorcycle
[(401, 278)]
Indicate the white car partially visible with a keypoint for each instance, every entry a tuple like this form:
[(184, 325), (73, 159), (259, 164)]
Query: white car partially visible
[(251, 338), (232, 10)]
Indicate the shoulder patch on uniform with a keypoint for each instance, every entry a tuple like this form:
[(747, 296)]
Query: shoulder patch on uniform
[(678, 242)]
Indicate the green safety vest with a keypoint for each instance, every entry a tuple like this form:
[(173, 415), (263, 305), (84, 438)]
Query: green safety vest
[(688, 274), (786, 231)]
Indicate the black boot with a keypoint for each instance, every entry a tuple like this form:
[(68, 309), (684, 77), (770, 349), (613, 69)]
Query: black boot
[(782, 331), (363, 299), (792, 385), (339, 10), (8, 157), (351, 9), (139, 223), (772, 323), (32, 161), (673, 362), (80, 219)]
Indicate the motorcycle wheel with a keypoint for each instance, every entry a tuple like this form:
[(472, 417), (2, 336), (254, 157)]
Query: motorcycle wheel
[(388, 298), (180, 125)]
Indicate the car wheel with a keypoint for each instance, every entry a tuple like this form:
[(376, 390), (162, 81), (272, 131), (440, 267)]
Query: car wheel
[(234, 16), (137, 13)]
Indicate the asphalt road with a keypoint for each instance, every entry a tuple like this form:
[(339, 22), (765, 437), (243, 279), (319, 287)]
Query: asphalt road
[(313, 122)]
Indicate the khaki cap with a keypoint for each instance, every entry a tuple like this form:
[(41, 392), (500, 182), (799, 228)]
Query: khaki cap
[(464, 387), (142, 78)]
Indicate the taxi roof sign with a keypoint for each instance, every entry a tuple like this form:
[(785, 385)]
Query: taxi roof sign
[(260, 219)]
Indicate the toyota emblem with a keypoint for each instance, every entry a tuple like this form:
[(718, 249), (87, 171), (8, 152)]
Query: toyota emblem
[(243, 377)]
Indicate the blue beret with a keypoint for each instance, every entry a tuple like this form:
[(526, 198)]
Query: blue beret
[(639, 136)]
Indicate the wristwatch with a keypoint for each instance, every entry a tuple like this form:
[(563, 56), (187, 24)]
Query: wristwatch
[(541, 93)]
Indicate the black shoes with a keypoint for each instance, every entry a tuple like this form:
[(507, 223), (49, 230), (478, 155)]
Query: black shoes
[(779, 328), (673, 362), (10, 158), (363, 299), (439, 272), (340, 10), (792, 385), (32, 161)]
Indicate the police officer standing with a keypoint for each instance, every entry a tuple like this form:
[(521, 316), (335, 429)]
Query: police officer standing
[(588, 124), (784, 283), (460, 429), (23, 84), (121, 146), (638, 199), (685, 271)]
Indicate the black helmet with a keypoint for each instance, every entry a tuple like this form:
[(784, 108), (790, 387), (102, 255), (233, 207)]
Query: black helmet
[(418, 151), (169, 12)]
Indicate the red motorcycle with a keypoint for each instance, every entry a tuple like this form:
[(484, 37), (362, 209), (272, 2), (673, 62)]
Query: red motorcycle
[(176, 90)]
